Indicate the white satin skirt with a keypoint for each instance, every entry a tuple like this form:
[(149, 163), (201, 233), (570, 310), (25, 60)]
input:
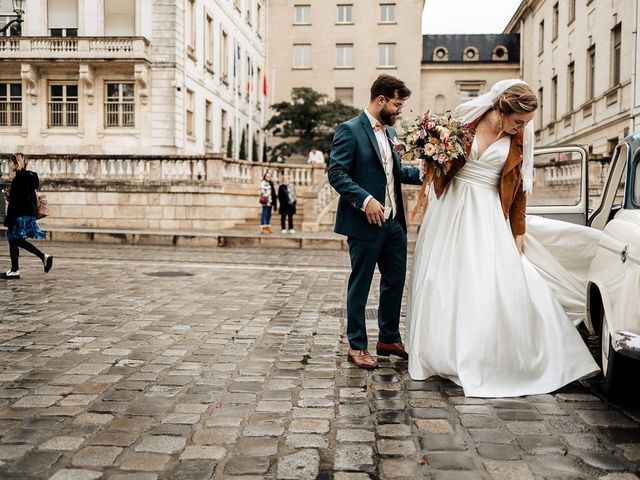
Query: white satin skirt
[(496, 323)]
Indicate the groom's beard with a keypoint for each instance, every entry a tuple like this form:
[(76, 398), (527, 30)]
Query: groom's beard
[(387, 117)]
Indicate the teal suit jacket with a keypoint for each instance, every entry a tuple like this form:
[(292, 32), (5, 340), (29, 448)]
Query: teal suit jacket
[(356, 171)]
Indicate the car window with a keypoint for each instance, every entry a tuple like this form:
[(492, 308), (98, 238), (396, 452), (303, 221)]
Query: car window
[(609, 183), (619, 199), (599, 177), (558, 179), (636, 183)]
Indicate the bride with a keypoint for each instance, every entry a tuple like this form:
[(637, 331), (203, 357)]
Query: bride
[(481, 313)]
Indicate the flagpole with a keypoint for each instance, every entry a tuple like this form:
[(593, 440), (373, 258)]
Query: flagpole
[(236, 71), (273, 83), (250, 86), (263, 97), (262, 113)]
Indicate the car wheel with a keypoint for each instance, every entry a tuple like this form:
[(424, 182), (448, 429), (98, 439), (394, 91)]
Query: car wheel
[(615, 367)]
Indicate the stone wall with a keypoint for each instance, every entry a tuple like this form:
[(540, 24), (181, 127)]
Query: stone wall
[(165, 194)]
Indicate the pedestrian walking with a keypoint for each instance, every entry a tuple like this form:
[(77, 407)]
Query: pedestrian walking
[(287, 198), (269, 202), (21, 216)]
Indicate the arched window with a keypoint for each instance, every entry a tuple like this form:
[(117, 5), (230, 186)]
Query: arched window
[(471, 54), (440, 104), (500, 54), (440, 54)]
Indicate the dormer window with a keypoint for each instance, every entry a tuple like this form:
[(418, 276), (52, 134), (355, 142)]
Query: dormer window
[(500, 54), (440, 54), (470, 54)]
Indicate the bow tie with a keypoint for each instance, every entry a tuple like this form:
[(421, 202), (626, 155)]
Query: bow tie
[(379, 127)]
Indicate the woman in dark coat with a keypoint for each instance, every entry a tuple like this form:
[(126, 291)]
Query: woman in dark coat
[(288, 199), (21, 216)]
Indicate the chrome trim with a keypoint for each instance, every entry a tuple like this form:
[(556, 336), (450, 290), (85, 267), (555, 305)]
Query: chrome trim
[(624, 253), (626, 343)]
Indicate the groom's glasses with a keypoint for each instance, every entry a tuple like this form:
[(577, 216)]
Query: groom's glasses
[(398, 105)]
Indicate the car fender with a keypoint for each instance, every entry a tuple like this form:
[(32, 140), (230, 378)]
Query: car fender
[(615, 272)]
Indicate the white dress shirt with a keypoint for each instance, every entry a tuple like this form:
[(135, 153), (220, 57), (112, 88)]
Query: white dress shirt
[(387, 162), (315, 157)]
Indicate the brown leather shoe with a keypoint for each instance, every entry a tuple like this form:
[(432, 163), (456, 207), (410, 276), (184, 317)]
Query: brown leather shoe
[(386, 349), (362, 359)]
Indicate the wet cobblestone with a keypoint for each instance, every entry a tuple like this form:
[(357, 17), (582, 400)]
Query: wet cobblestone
[(239, 371)]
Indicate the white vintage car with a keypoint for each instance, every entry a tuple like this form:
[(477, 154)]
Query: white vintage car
[(613, 291)]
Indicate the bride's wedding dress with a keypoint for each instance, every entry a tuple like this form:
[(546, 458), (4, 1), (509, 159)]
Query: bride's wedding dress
[(492, 321)]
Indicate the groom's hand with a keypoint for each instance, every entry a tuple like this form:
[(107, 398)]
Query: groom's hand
[(375, 212)]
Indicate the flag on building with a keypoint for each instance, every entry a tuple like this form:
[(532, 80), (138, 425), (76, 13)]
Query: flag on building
[(236, 59), (264, 80), (250, 75)]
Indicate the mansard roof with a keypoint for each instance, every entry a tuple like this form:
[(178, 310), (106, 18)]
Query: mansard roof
[(484, 44)]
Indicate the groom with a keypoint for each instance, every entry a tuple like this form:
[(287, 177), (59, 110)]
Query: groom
[(367, 174)]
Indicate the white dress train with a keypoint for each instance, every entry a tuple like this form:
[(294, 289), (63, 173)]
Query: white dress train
[(481, 315)]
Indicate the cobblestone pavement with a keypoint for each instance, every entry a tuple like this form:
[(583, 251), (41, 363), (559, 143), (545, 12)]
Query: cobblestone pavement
[(115, 366)]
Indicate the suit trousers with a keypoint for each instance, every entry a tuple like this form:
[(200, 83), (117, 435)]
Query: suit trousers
[(388, 250)]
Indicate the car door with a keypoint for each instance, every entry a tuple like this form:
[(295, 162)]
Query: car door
[(612, 198), (614, 273), (560, 188)]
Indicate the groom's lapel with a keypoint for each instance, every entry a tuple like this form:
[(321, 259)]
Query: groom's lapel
[(366, 124), (394, 155)]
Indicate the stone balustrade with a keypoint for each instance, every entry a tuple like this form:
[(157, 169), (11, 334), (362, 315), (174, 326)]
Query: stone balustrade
[(566, 173), (75, 48), (569, 172), (325, 196), (190, 193), (237, 172), (133, 169), (301, 175), (120, 169)]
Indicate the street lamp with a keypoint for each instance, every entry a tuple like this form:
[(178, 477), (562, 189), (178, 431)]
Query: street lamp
[(18, 9)]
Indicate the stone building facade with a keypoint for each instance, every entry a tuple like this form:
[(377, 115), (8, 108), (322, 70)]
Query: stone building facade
[(581, 58), (456, 68), (340, 48), (159, 77)]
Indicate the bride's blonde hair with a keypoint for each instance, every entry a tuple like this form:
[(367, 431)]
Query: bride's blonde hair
[(516, 99)]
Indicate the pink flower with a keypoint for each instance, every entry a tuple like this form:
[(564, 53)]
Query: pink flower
[(429, 149), (431, 125), (444, 133), (442, 158)]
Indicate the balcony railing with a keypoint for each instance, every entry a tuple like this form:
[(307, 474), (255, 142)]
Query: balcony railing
[(130, 169), (75, 48)]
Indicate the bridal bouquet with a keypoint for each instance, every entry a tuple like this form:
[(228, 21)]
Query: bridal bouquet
[(434, 140)]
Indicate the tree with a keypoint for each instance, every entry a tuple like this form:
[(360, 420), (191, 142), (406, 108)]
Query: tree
[(254, 149), (230, 144), (309, 118), (243, 147)]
